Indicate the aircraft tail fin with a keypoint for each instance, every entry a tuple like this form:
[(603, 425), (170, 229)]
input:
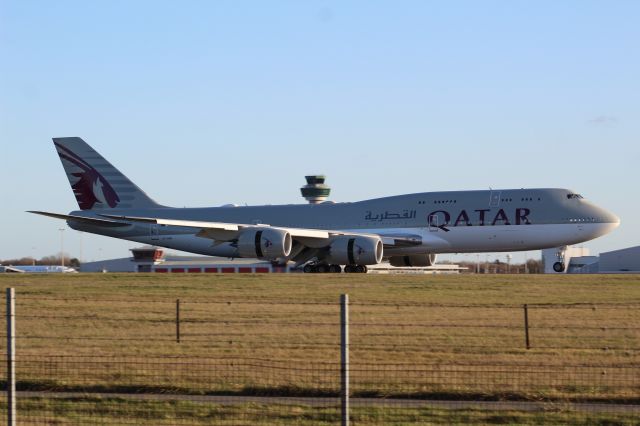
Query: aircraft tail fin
[(95, 182)]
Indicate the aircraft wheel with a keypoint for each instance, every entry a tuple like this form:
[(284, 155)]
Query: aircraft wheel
[(361, 269), (558, 267), (348, 269), (308, 269), (322, 268), (335, 269)]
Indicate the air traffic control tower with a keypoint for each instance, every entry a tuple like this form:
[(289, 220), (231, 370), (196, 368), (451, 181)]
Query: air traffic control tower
[(315, 191)]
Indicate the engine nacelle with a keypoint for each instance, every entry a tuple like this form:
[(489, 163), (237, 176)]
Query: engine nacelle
[(413, 260), (354, 250), (264, 243)]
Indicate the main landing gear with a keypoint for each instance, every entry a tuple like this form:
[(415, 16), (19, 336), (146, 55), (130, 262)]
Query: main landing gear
[(359, 269), (322, 268), (558, 266), (334, 269)]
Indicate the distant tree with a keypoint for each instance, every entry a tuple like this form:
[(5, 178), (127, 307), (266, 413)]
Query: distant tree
[(497, 267), (46, 260), (535, 266), (49, 260)]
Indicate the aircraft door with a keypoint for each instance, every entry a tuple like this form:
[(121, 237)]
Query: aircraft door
[(155, 232), (494, 199), (433, 222)]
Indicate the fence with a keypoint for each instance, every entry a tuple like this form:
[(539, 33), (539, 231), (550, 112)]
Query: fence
[(267, 361)]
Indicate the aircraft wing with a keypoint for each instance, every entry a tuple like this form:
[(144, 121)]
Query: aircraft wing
[(210, 229), (228, 231), (87, 220), (266, 241)]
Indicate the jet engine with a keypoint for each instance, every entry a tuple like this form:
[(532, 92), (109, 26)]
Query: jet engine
[(355, 250), (264, 243), (413, 260)]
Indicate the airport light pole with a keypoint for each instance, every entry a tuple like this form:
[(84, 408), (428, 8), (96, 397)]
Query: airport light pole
[(61, 246)]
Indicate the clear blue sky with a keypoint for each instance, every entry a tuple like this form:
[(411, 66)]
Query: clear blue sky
[(207, 103)]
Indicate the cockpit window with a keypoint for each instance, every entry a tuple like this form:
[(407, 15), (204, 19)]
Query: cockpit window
[(572, 196)]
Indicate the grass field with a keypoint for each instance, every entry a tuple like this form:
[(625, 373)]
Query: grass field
[(459, 337), (118, 411), (284, 317)]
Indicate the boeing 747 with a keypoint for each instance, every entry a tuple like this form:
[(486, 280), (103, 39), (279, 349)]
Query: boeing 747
[(407, 230)]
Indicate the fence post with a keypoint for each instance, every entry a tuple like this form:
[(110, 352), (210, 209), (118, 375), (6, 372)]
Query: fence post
[(526, 326), (11, 357), (344, 358), (177, 320)]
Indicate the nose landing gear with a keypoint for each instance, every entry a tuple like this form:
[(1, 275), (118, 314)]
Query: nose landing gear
[(558, 266)]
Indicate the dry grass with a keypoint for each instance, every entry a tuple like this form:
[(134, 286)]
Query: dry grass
[(454, 335), (117, 411)]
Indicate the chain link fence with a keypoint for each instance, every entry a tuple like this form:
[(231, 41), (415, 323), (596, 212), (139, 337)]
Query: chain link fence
[(265, 361)]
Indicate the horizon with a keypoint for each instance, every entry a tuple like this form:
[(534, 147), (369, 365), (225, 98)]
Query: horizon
[(205, 104)]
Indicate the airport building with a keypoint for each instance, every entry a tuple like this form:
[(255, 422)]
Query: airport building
[(578, 261), (153, 259)]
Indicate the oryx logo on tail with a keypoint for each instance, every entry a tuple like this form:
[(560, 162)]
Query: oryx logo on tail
[(91, 189)]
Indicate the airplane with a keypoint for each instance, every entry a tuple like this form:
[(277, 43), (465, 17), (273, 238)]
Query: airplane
[(407, 230), (37, 269)]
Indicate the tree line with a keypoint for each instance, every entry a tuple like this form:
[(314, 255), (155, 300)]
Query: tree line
[(532, 266), (73, 262)]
